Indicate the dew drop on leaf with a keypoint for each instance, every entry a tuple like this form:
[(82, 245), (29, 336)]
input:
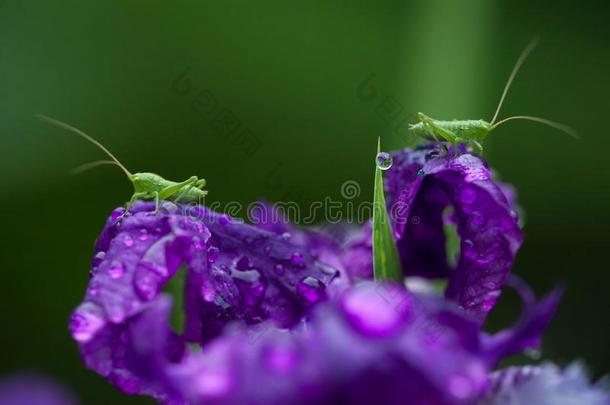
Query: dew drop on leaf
[(383, 160)]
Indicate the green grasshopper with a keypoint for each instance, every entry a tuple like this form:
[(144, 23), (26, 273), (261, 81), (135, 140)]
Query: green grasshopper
[(473, 133), (147, 186)]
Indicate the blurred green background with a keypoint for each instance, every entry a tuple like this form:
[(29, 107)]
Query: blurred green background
[(303, 90)]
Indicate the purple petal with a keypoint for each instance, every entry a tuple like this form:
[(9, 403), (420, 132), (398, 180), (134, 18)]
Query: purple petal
[(232, 276), (420, 187), (348, 248), (527, 334), (418, 348)]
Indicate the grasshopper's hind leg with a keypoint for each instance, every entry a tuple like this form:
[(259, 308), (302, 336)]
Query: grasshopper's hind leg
[(169, 191), (178, 190), (200, 184)]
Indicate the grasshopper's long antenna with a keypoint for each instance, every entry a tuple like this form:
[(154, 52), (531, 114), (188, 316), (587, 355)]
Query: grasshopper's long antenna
[(84, 135), (552, 124), (528, 49), (90, 165)]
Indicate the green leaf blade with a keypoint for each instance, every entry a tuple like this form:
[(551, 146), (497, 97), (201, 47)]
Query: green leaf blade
[(386, 262)]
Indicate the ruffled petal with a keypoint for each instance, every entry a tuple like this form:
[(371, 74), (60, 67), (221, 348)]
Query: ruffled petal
[(377, 343), (420, 186), (236, 272), (348, 248), (527, 333)]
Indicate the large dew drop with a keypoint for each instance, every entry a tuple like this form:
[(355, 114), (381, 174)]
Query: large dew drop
[(251, 285), (311, 289), (97, 259), (383, 160), (297, 259), (116, 269), (127, 240), (146, 282), (213, 253)]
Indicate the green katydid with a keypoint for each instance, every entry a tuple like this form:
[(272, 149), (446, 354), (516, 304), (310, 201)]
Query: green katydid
[(472, 133), (147, 186)]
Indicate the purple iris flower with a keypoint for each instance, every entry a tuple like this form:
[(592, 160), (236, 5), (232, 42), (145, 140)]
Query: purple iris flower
[(421, 186), (276, 314), (269, 334)]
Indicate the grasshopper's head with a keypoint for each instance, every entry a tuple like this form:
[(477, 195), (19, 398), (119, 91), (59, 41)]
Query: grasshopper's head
[(421, 117), (418, 127), (478, 130)]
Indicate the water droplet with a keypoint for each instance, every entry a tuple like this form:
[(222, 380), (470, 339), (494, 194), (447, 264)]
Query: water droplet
[(468, 247), (208, 293), (146, 283), (249, 276), (85, 322), (286, 235), (279, 269), (199, 227), (297, 259), (243, 263), (213, 253), (325, 268), (198, 243), (115, 310), (98, 258), (143, 234), (116, 269), (127, 241), (421, 172), (251, 285), (311, 289), (383, 160), (93, 290)]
